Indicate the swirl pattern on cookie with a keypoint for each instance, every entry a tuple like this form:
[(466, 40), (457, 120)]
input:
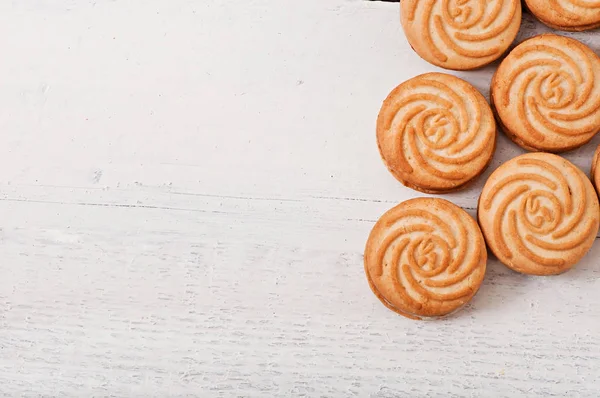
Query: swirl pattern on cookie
[(575, 15), (546, 93), (595, 170), (460, 34), (436, 132), (539, 214), (425, 257)]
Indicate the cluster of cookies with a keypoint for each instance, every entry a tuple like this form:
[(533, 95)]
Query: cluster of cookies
[(538, 213)]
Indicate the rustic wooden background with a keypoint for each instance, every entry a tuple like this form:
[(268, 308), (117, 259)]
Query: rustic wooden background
[(185, 191)]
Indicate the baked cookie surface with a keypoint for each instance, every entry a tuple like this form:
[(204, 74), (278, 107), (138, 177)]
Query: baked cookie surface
[(595, 171), (460, 34), (425, 257), (436, 133), (572, 15), (546, 94), (539, 214)]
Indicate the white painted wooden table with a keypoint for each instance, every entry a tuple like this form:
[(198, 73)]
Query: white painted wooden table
[(185, 191)]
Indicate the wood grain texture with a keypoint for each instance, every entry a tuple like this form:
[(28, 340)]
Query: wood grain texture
[(185, 193)]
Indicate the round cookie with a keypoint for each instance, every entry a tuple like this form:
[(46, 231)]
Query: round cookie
[(570, 15), (460, 34), (539, 214), (546, 94), (436, 133), (425, 258), (595, 172)]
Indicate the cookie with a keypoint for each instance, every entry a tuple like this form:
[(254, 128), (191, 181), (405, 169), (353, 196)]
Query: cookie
[(425, 258), (539, 214), (436, 133), (571, 15), (595, 172), (460, 34), (546, 94)]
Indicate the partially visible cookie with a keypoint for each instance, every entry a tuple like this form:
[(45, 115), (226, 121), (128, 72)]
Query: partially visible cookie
[(460, 35), (571, 15), (425, 257), (436, 133), (539, 214), (595, 172), (546, 94)]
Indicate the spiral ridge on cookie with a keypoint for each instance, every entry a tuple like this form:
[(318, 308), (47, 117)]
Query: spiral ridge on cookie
[(425, 257), (546, 93), (595, 170), (436, 132), (460, 34), (576, 15), (539, 214)]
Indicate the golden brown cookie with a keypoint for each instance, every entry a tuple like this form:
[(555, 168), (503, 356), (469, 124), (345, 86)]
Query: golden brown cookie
[(436, 133), (425, 257), (595, 172), (546, 94), (539, 214), (572, 15), (460, 34)]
